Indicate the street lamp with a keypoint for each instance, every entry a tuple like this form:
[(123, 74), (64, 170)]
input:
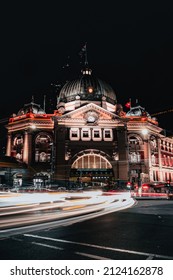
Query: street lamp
[(145, 131)]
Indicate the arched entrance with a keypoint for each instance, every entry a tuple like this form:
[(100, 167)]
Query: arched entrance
[(41, 180), (91, 165), (17, 180)]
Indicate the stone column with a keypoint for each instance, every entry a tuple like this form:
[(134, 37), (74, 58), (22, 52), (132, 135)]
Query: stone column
[(27, 147), (8, 150), (149, 160), (160, 160), (122, 164), (147, 157)]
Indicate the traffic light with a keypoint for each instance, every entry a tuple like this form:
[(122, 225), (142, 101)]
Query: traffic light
[(167, 183)]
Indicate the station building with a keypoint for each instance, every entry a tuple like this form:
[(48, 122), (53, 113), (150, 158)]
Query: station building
[(89, 137)]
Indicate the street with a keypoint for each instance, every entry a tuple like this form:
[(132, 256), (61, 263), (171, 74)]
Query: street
[(143, 231)]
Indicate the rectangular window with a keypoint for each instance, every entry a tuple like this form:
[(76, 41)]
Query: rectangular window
[(74, 134), (86, 134), (108, 134), (96, 135)]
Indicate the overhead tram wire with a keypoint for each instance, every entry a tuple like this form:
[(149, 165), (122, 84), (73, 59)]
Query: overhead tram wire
[(162, 112), (5, 120)]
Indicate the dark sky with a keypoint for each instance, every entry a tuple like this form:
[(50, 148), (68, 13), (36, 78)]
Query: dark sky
[(129, 43)]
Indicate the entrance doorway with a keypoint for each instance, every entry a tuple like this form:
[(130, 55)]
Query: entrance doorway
[(91, 166)]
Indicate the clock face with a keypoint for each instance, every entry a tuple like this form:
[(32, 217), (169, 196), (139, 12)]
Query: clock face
[(91, 119)]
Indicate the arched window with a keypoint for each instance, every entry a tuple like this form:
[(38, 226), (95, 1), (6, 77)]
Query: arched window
[(91, 161), (43, 147), (153, 159), (153, 144), (134, 157), (133, 140), (17, 148)]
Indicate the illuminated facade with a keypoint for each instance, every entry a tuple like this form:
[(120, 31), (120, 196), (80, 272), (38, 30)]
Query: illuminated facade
[(89, 137)]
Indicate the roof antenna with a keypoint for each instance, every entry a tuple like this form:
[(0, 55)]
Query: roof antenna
[(32, 100)]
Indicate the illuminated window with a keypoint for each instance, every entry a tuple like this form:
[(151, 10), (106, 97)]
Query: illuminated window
[(17, 147), (163, 160), (169, 161), (86, 134), (90, 90), (43, 147), (96, 134), (134, 157), (43, 157), (107, 134), (133, 140), (18, 156), (74, 134), (153, 159)]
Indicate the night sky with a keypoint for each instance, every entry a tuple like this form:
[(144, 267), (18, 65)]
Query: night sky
[(129, 45)]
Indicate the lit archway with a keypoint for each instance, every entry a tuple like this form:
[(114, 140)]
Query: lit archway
[(91, 165), (91, 161)]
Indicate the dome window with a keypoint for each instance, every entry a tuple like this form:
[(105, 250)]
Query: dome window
[(90, 89)]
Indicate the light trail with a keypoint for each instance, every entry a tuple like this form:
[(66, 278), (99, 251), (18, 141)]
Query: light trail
[(70, 212)]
